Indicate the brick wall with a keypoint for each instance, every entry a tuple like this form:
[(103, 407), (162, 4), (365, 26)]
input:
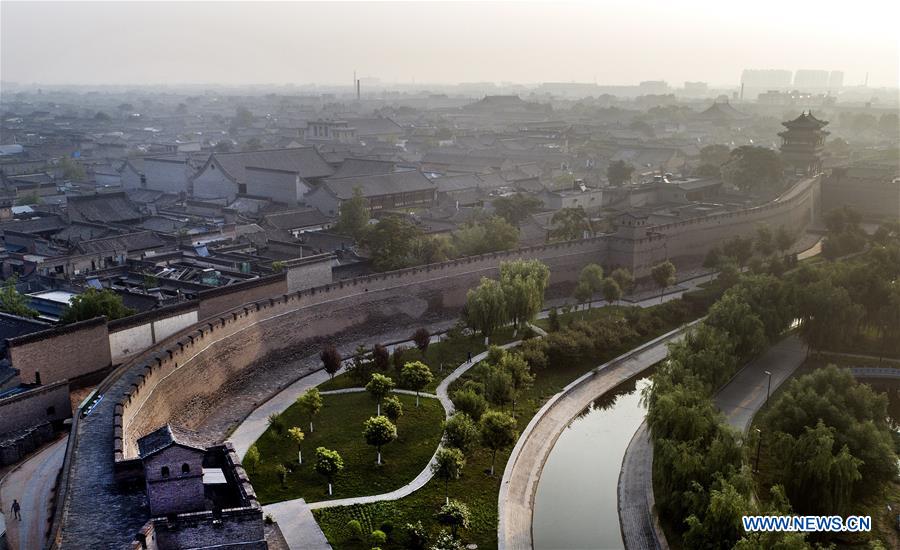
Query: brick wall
[(303, 273), (40, 405), (217, 300), (60, 353), (871, 198)]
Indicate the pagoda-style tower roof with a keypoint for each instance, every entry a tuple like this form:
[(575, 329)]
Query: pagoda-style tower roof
[(806, 121)]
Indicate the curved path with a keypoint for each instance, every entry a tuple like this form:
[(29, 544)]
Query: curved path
[(523, 469), (739, 400), (293, 516), (32, 483)]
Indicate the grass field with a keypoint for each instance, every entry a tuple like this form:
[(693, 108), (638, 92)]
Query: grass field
[(339, 426), (476, 488)]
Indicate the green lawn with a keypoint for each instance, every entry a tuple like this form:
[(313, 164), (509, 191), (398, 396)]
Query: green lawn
[(584, 314), (339, 427), (478, 490), (441, 357)]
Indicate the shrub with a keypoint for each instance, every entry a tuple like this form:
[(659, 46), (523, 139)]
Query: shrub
[(416, 536), (469, 402), (355, 529), (378, 537)]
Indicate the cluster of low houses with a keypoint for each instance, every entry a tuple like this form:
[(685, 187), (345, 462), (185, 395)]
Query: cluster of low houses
[(158, 221)]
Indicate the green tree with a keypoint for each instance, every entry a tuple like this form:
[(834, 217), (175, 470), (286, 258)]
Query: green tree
[(243, 118), (447, 466), (663, 275), (379, 431), (611, 290), (583, 292), (738, 248), (328, 464), (393, 409), (519, 372), (485, 309), (223, 146), (498, 432), (454, 514), (736, 318), (95, 303), (619, 172), (390, 242), (253, 144), (378, 387), (71, 169), (826, 313), (471, 403), (12, 302), (310, 403), (715, 155), (783, 239), (570, 224), (516, 208), (381, 358), (765, 240), (354, 216), (490, 234), (498, 386), (624, 278), (460, 432), (416, 376), (754, 169), (297, 436), (523, 283)]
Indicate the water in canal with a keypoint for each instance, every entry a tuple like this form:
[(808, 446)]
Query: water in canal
[(576, 502)]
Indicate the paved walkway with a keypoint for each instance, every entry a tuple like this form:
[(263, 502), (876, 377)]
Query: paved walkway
[(294, 517), (31, 483), (739, 400), (523, 469)]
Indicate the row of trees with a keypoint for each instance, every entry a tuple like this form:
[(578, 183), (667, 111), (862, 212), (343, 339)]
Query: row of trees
[(701, 483), (396, 242), (515, 298)]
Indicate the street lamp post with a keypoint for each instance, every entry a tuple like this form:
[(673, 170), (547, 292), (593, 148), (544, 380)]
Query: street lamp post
[(769, 386)]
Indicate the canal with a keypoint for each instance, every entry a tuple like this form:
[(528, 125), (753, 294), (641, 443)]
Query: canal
[(576, 501)]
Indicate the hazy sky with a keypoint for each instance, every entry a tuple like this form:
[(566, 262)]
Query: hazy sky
[(610, 42)]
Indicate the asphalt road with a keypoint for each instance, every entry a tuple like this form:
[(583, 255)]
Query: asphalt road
[(740, 399), (31, 483)]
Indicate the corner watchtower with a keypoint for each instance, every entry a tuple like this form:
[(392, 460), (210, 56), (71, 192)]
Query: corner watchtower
[(802, 144)]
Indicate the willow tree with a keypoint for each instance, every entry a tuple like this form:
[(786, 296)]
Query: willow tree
[(486, 309)]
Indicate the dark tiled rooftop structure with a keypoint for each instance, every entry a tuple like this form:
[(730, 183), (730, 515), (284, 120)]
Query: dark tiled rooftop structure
[(384, 184), (304, 161), (169, 435), (102, 208), (296, 219)]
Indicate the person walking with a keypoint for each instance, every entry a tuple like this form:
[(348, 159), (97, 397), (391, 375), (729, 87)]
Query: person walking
[(16, 510)]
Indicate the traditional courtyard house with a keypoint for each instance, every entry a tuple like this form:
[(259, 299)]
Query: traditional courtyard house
[(397, 190), (282, 175)]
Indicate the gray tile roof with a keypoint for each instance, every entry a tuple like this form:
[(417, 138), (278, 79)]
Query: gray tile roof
[(143, 240), (166, 436), (363, 167), (384, 184), (102, 208), (305, 161), (296, 219)]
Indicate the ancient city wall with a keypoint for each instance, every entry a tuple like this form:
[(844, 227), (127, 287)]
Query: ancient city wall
[(872, 198), (201, 360), (687, 242)]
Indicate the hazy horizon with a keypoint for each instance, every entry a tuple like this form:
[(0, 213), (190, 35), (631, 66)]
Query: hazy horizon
[(612, 43)]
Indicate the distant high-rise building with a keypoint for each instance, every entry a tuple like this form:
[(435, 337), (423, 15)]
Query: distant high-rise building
[(765, 79), (836, 80), (695, 88), (805, 79), (654, 87)]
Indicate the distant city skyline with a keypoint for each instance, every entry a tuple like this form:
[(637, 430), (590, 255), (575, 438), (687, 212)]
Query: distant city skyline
[(610, 43)]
